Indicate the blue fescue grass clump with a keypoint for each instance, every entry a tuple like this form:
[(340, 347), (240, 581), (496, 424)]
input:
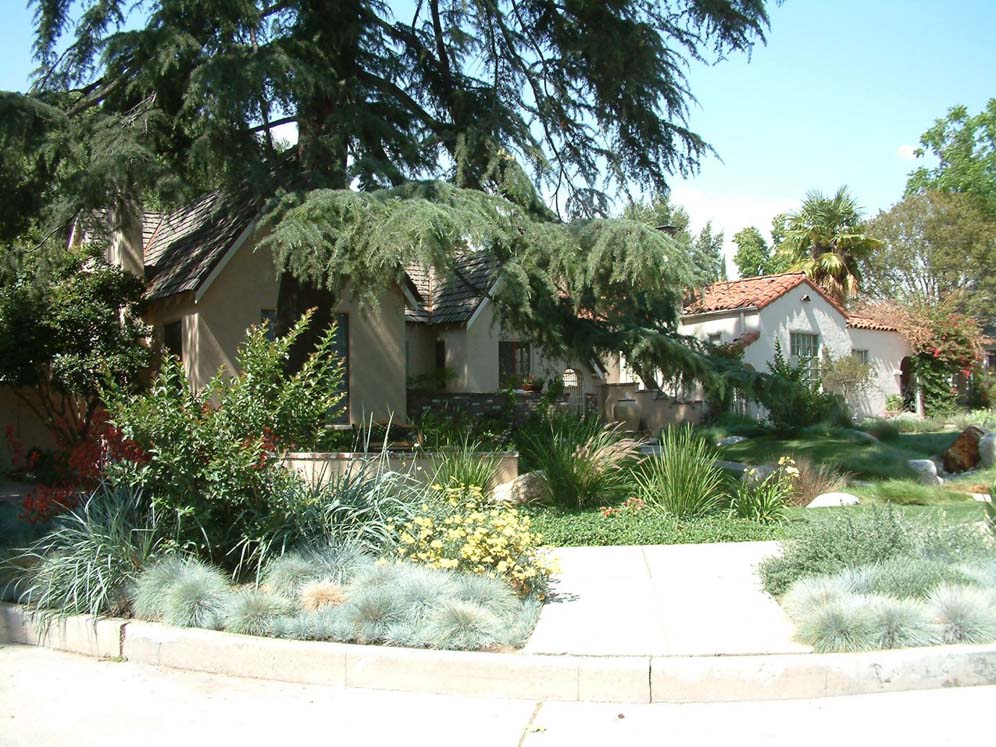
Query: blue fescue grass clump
[(910, 578), (902, 623), (197, 598), (965, 614), (811, 593), (463, 626), (255, 612), (841, 624), (293, 570), (148, 593)]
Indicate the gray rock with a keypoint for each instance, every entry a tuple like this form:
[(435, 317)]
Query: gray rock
[(828, 500), (757, 475), (527, 488), (731, 440), (987, 450), (926, 471)]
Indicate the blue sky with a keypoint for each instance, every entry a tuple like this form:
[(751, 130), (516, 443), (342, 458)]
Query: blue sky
[(839, 95)]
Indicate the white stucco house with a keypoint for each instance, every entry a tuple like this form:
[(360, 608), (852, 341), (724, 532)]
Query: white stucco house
[(791, 310)]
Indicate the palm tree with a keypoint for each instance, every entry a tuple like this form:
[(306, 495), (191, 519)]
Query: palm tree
[(825, 239)]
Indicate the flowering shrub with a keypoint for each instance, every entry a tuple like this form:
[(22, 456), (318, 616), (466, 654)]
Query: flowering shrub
[(764, 499), (75, 467), (463, 532)]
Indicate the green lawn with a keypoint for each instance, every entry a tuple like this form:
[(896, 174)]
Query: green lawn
[(846, 450), (589, 528)]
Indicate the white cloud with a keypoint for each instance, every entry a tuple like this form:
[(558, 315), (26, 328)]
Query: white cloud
[(730, 214), (906, 152)]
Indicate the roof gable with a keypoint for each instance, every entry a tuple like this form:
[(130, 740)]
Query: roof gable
[(453, 298), (752, 293)]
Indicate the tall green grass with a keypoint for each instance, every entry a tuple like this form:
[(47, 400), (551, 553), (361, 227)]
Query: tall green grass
[(682, 480), (581, 462)]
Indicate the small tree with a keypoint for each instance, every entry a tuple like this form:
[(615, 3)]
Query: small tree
[(846, 375), (68, 326)]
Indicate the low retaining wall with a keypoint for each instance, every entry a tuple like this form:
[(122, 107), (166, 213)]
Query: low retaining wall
[(657, 410), (317, 468), (631, 679)]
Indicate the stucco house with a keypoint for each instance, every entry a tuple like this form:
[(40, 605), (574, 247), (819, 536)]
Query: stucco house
[(207, 282), (791, 310)]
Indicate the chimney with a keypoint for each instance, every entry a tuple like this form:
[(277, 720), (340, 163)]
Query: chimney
[(125, 247)]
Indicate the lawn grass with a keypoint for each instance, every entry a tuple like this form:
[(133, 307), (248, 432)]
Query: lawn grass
[(910, 493), (844, 449), (589, 528)]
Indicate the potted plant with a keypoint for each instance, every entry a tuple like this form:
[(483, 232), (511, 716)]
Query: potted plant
[(532, 384)]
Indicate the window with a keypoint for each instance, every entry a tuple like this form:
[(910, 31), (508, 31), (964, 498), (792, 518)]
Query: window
[(715, 338), (513, 363), (269, 318), (173, 338), (805, 351), (861, 356), (991, 360)]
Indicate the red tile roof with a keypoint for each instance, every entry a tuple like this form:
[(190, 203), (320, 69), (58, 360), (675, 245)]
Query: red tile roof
[(864, 322), (750, 293)]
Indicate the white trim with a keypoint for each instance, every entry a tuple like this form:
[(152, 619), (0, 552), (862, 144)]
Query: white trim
[(597, 368), (246, 233), (701, 316), (483, 303)]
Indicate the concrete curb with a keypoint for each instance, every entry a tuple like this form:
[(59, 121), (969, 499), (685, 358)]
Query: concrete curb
[(639, 679)]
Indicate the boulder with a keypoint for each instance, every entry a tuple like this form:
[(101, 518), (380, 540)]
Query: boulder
[(527, 488), (963, 454), (730, 441), (987, 450), (926, 471), (757, 475), (827, 500)]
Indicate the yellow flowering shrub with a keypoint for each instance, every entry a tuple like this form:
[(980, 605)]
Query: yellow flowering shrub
[(463, 531)]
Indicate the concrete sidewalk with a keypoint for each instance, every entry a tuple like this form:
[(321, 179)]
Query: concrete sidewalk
[(674, 600)]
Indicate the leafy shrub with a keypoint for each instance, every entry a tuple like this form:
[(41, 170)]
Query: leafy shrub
[(88, 561), (254, 612), (213, 454), (799, 402), (197, 598), (883, 430), (836, 541), (582, 462), (682, 480), (844, 623), (459, 530), (466, 464), (965, 614)]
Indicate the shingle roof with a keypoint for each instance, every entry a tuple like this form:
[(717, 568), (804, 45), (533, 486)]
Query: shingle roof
[(751, 293), (183, 247), (451, 299)]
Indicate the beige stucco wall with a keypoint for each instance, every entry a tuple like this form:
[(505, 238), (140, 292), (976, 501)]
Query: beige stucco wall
[(25, 426), (215, 325)]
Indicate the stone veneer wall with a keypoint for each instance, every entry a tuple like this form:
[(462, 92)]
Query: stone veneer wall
[(489, 404)]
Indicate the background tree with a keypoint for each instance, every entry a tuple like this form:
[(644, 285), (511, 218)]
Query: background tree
[(965, 147), (703, 252), (500, 101), (753, 255), (935, 246), (825, 239)]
